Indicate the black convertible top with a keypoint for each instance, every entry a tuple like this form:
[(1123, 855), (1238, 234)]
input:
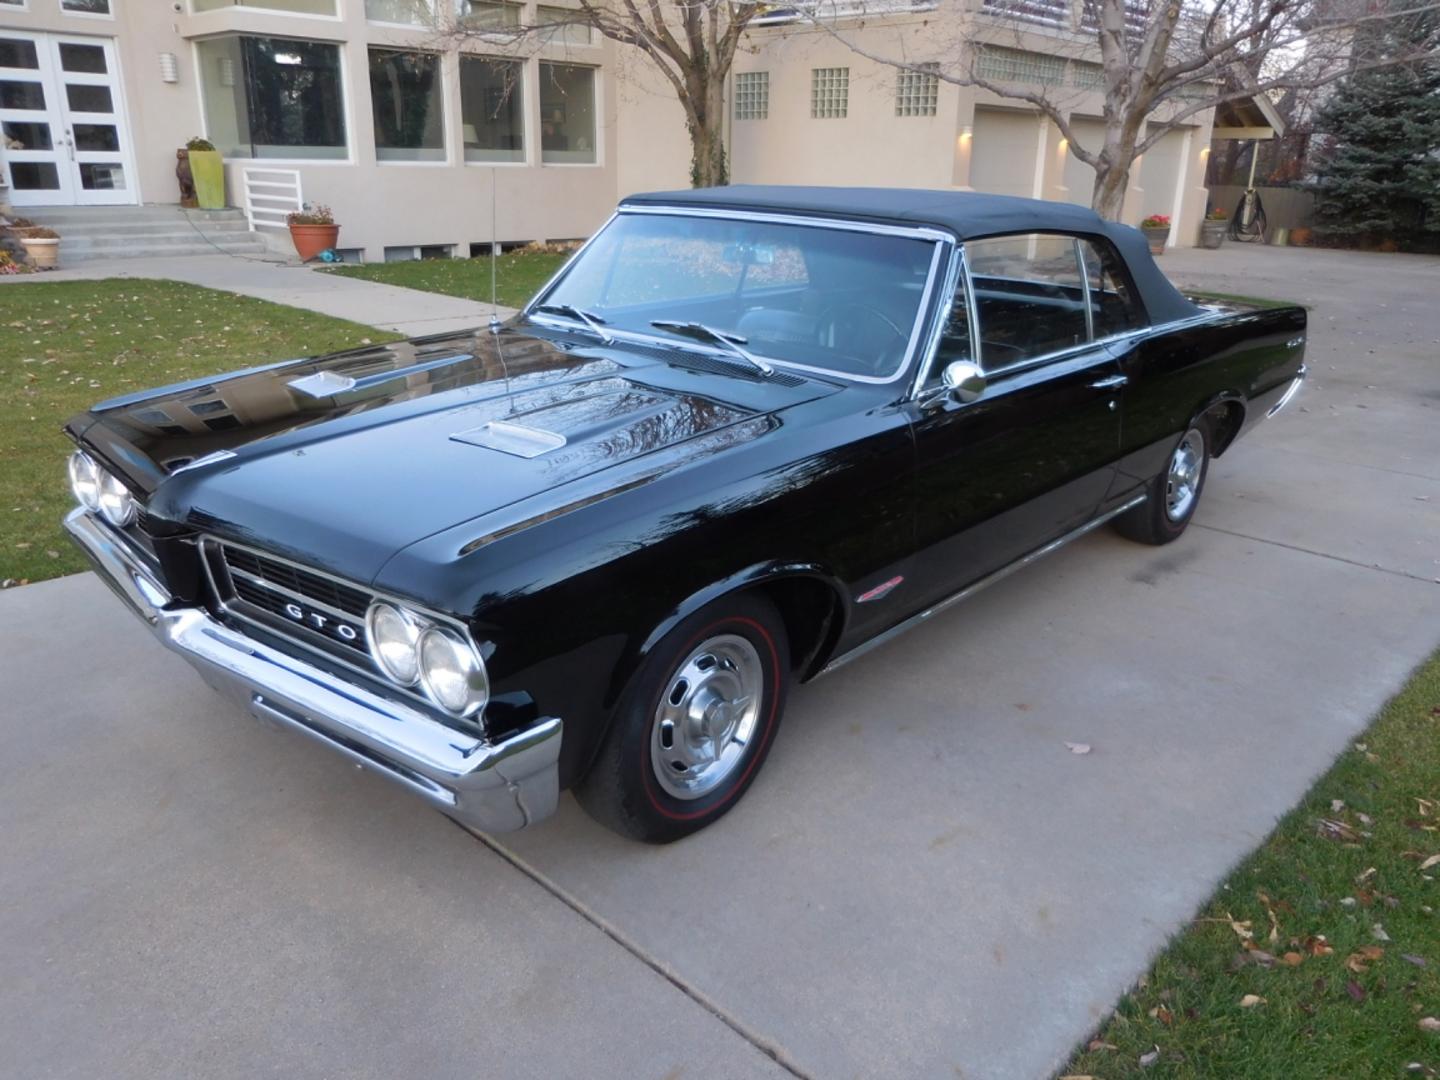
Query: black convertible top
[(968, 215)]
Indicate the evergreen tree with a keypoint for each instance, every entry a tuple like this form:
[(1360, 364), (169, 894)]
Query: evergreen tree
[(1382, 178)]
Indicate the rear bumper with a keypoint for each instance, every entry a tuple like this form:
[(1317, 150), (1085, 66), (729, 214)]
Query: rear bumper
[(490, 786)]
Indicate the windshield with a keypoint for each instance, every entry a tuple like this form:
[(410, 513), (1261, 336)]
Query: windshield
[(811, 296)]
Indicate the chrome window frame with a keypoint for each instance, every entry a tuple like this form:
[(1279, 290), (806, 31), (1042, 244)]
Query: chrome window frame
[(961, 263), (944, 244)]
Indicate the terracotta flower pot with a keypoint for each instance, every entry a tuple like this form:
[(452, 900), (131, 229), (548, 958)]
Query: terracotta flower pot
[(310, 240), (43, 253), (1157, 238)]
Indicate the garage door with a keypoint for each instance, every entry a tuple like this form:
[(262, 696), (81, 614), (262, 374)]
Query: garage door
[(1079, 177), (1002, 152), (1159, 172)]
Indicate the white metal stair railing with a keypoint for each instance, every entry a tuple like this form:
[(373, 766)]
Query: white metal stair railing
[(271, 195)]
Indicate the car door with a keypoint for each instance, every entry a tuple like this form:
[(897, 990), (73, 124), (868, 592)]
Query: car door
[(1032, 456)]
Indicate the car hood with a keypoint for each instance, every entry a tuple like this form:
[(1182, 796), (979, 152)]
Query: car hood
[(343, 460)]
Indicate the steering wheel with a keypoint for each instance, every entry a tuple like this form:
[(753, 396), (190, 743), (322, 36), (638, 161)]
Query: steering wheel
[(846, 321)]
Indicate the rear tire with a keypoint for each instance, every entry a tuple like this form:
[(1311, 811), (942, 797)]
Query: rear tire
[(1174, 494), (696, 723)]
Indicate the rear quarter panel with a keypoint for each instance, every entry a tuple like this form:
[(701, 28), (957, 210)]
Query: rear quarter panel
[(1227, 358)]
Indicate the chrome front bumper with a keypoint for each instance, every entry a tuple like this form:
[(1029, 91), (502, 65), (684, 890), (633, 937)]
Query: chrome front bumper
[(493, 787)]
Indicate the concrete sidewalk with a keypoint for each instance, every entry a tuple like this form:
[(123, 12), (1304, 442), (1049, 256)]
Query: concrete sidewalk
[(923, 882), (406, 311)]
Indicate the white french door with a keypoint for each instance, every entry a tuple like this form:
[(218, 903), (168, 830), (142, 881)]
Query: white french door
[(66, 140)]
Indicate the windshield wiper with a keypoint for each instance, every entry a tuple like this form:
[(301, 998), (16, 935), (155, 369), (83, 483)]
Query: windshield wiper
[(731, 341), (589, 318)]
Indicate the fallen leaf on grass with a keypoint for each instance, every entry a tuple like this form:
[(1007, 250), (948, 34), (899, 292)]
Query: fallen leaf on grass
[(1318, 946), (1433, 860), (1378, 933), (1164, 1015), (1337, 830), (1146, 1060), (1411, 958), (1355, 990), (1360, 960), (1430, 1023), (1360, 879), (1249, 1001), (1294, 959), (1078, 747), (1100, 1044)]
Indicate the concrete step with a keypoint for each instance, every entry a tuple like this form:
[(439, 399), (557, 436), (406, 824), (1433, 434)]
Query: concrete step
[(169, 227), (249, 248), (153, 238), (122, 214)]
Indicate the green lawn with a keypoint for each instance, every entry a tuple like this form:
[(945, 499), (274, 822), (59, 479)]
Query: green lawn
[(66, 345), (518, 275), (1319, 957)]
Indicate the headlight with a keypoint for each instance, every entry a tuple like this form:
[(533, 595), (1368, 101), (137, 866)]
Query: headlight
[(394, 636), (452, 671), (85, 480), (117, 505)]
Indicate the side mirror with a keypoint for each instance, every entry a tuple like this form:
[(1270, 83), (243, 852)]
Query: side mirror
[(964, 379)]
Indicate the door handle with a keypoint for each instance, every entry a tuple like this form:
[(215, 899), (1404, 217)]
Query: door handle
[(1110, 382)]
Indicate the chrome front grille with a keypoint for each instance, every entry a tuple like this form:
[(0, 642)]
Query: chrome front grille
[(314, 609)]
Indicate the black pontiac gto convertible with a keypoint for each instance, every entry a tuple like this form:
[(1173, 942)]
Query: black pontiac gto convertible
[(744, 436)]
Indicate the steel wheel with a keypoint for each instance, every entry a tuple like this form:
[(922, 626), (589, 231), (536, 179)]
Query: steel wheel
[(707, 716), (1182, 484)]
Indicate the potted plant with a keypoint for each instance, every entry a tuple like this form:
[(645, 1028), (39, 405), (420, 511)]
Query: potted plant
[(206, 172), (42, 245), (313, 230), (1156, 228), (1213, 228)]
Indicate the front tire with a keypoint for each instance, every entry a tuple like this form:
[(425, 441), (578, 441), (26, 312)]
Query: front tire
[(695, 725), (1174, 494)]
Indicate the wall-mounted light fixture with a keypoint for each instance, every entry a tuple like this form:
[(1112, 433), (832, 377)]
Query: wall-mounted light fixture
[(966, 132), (169, 68)]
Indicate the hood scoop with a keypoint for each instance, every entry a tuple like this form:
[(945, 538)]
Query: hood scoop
[(511, 438)]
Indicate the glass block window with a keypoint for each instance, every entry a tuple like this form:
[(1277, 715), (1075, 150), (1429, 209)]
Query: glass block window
[(752, 95), (829, 93), (1086, 76), (1017, 65), (917, 92)]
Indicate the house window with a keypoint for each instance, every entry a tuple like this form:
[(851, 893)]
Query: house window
[(273, 97), (1017, 65), (567, 114), (752, 95), (413, 12), (86, 7), (561, 27), (492, 109), (917, 92), (405, 102), (829, 93), (488, 15), (297, 7)]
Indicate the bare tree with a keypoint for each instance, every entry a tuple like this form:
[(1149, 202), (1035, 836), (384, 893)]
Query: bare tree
[(691, 43), (1155, 63)]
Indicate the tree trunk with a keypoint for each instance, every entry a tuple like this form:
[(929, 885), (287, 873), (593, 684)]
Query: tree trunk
[(707, 157), (1108, 198)]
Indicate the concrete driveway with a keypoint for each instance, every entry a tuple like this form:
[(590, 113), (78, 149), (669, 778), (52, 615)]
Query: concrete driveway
[(923, 883)]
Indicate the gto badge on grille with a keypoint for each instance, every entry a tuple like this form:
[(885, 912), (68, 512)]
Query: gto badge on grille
[(323, 623)]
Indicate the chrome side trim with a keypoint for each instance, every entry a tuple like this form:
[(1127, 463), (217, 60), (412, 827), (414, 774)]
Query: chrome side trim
[(974, 587), (1290, 392), (951, 286), (493, 786)]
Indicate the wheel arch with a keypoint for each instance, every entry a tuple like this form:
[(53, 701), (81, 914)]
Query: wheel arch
[(809, 598), (1225, 413)]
